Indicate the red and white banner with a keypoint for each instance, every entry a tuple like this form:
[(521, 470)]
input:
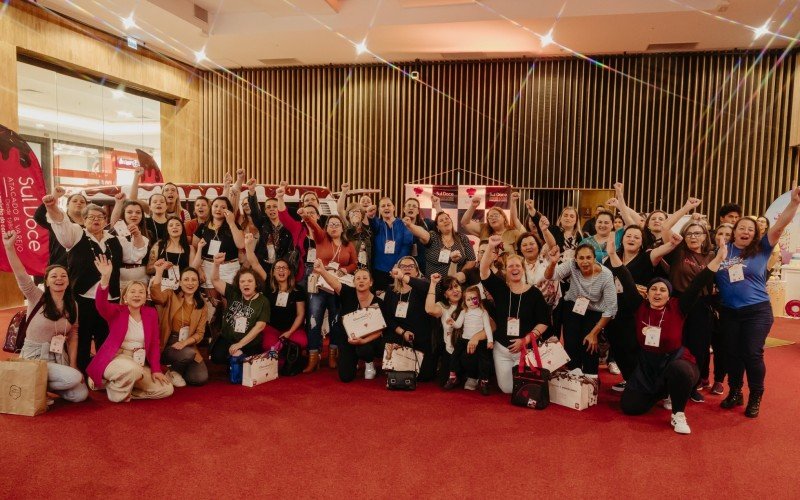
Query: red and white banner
[(22, 189)]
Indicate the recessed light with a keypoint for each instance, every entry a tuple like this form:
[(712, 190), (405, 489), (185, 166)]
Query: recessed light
[(128, 22)]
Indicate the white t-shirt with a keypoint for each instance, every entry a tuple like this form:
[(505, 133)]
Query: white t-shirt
[(134, 339)]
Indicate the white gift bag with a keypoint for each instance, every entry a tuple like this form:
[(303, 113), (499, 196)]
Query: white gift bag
[(362, 322), (552, 353), (401, 359), (573, 389), (259, 369)]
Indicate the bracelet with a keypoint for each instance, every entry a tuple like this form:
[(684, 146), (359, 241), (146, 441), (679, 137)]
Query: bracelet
[(431, 293)]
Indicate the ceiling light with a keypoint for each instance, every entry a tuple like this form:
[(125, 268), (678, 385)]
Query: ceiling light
[(761, 31), (200, 55), (117, 94), (124, 114), (128, 22), (546, 39), (361, 47)]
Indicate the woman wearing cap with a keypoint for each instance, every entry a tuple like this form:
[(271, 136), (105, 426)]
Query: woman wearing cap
[(665, 367)]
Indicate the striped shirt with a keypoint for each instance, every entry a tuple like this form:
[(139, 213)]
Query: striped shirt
[(599, 289)]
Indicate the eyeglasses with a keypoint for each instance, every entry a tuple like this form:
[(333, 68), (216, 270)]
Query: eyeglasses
[(406, 267), (334, 224), (95, 217), (281, 268), (695, 234)]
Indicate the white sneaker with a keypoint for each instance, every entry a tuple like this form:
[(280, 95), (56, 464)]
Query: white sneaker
[(471, 384), (369, 371), (679, 423), (613, 368), (667, 403), (176, 379)]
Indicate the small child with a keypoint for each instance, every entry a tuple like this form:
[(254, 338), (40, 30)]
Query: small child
[(474, 321)]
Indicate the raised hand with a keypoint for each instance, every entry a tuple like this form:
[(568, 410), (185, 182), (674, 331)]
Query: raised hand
[(396, 273), (515, 196), (476, 200), (59, 192), (495, 241), (544, 223), (613, 202), (251, 186), (228, 179), (345, 187), (554, 254), (529, 205), (119, 197), (435, 200), (693, 203), (436, 278), (722, 250), (249, 241), (240, 175), (161, 265), (138, 171), (455, 256), (9, 238), (230, 217), (319, 266), (219, 259), (676, 239), (104, 266), (134, 230)]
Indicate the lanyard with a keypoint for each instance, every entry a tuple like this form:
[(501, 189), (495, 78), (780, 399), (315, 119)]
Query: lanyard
[(649, 320), (386, 231), (519, 304), (407, 299)]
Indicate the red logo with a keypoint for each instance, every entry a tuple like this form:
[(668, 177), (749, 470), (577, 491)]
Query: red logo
[(418, 191), (471, 192)]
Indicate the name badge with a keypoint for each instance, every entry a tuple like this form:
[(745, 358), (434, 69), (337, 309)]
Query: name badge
[(736, 273), (512, 327), (282, 300), (333, 265), (311, 256), (483, 292), (362, 257), (213, 247), (168, 284), (121, 229), (388, 247), (444, 256), (618, 285), (270, 253), (581, 303), (402, 310), (139, 356), (240, 324), (57, 344), (174, 273), (652, 336), (183, 333)]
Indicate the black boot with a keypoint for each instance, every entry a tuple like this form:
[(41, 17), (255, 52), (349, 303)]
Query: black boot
[(734, 398), (753, 404)]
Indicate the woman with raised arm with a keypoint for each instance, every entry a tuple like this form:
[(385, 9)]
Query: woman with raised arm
[(352, 350), (528, 246), (134, 239), (442, 246), (287, 304), (496, 223), (522, 314), (302, 237), (76, 202), (173, 197), (175, 249), (84, 245), (202, 211), (447, 307), (358, 229), (220, 235), (52, 321), (746, 313), (182, 320), (129, 361), (411, 211), (274, 239), (604, 227), (392, 242), (665, 366)]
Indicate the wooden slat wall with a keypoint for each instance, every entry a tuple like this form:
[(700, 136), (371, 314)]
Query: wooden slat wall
[(712, 125)]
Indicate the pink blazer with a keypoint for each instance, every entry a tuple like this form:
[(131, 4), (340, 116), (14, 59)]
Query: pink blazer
[(117, 318)]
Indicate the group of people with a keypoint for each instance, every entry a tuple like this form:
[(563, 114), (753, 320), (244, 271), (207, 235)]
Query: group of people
[(132, 296)]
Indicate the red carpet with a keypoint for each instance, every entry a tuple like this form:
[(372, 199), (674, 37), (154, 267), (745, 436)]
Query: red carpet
[(314, 437)]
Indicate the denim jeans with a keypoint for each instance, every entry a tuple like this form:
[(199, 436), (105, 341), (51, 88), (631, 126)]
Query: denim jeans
[(318, 303), (746, 330)]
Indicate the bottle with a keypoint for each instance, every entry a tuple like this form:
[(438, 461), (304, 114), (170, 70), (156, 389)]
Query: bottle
[(236, 369)]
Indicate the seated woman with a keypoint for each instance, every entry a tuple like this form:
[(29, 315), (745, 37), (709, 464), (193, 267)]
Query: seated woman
[(129, 361), (245, 317), (287, 304), (445, 309), (472, 333), (52, 320), (182, 318), (366, 348), (665, 366)]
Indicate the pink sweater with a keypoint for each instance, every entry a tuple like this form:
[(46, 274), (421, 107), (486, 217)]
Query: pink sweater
[(117, 318)]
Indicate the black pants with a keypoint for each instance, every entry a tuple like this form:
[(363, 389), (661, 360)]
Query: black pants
[(680, 376), (183, 362), (350, 354), (746, 330), (476, 365), (697, 332), (621, 334), (219, 351), (720, 355), (91, 326), (576, 327)]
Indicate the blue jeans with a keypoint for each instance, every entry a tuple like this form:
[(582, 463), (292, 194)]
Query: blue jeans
[(746, 330), (318, 303)]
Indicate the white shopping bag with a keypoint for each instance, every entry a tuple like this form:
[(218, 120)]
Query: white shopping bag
[(259, 369), (401, 359), (362, 322), (573, 389), (552, 353)]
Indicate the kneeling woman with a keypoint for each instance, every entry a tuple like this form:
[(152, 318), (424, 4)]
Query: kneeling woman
[(129, 361), (182, 320), (366, 348), (245, 317), (665, 366), (53, 319)]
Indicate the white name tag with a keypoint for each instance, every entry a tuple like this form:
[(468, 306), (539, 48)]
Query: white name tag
[(388, 248), (174, 273), (240, 324), (270, 253), (57, 344), (362, 257), (213, 247), (121, 229), (581, 303), (311, 256), (333, 265), (139, 356), (736, 273), (168, 284), (183, 334), (402, 310), (444, 256), (282, 300), (483, 292), (512, 327), (652, 336)]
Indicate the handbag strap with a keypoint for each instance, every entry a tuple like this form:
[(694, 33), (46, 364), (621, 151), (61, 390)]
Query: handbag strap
[(524, 352)]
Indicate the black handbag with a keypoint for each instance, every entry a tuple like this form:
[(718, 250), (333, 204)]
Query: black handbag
[(402, 380), (531, 389), (293, 360)]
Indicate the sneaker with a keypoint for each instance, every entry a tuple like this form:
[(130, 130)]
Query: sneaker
[(703, 384), (697, 397), (618, 387), (176, 379), (718, 388), (483, 386), (667, 403), (451, 383), (679, 423), (613, 369), (471, 384), (369, 371)]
